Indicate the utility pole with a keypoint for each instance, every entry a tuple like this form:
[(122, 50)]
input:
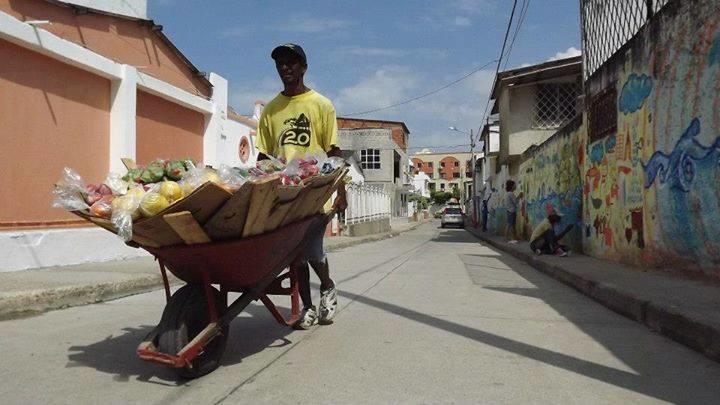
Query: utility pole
[(472, 183)]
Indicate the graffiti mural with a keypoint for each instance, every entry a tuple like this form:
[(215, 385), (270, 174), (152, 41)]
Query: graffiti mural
[(652, 189), (681, 165), (635, 91), (551, 179)]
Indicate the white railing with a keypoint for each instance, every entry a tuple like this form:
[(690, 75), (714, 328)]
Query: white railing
[(366, 203)]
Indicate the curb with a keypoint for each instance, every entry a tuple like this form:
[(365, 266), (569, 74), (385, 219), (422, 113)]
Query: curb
[(688, 331), (31, 303), (35, 302)]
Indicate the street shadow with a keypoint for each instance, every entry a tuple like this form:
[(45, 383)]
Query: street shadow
[(116, 354), (620, 378), (649, 370), (606, 330), (451, 235)]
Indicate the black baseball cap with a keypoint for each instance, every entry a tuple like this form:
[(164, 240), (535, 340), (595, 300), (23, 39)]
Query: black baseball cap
[(293, 48)]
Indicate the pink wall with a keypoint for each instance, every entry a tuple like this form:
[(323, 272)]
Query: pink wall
[(166, 130), (51, 115)]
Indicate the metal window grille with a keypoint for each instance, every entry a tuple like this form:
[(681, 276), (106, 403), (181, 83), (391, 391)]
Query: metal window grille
[(370, 158), (602, 116), (610, 24), (555, 104)]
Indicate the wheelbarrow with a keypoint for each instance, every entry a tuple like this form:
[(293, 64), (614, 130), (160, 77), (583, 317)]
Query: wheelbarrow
[(193, 330)]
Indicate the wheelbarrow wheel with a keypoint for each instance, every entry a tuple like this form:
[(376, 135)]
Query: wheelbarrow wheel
[(186, 315)]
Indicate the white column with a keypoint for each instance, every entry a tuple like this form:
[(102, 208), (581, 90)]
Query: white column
[(123, 110), (215, 121)]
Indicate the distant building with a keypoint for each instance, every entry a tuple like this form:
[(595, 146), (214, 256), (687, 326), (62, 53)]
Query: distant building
[(446, 171), (380, 148)]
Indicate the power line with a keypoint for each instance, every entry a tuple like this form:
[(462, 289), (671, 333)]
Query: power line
[(410, 100), (521, 19), (502, 52)]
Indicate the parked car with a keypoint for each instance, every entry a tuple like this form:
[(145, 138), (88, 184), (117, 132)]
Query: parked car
[(452, 216)]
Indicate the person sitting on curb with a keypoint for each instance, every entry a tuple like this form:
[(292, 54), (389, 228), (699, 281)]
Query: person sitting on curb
[(545, 240)]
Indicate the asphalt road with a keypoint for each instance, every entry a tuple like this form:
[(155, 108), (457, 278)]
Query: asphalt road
[(431, 316)]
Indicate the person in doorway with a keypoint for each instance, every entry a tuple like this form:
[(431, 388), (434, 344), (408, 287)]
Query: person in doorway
[(485, 209), (297, 122), (544, 239), (511, 206)]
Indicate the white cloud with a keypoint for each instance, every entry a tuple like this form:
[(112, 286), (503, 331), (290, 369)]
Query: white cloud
[(384, 52), (473, 6), (313, 25), (569, 53), (242, 97), (462, 21), (461, 105), (389, 84)]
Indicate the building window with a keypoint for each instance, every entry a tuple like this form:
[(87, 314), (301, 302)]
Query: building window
[(602, 116), (419, 165), (442, 164), (370, 158), (456, 175), (457, 164), (430, 165), (442, 186), (431, 186), (555, 104), (468, 174)]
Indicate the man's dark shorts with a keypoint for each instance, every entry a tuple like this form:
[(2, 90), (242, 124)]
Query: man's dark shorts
[(511, 218)]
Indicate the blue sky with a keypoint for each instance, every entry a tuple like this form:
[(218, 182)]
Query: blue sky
[(366, 54)]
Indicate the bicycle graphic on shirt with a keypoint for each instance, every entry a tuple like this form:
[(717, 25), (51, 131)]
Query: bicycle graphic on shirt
[(299, 132)]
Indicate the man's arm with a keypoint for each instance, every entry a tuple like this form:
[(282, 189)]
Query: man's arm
[(340, 203)]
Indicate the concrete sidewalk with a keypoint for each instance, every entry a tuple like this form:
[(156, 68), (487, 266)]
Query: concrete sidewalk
[(687, 311), (29, 292)]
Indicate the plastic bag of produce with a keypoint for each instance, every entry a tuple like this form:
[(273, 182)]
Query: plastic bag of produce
[(230, 178), (117, 185), (196, 177), (332, 164), (152, 202), (103, 207), (125, 209), (69, 192)]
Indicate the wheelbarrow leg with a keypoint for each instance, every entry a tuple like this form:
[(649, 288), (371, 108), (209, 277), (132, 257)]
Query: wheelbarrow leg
[(276, 288)]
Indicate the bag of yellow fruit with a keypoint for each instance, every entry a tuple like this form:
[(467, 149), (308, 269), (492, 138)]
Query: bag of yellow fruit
[(171, 191), (125, 209)]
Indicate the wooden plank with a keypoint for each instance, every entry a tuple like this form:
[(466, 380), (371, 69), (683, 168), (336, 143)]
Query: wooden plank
[(287, 196), (185, 225), (321, 193), (106, 224), (264, 195), (129, 163), (311, 199), (202, 204), (229, 221)]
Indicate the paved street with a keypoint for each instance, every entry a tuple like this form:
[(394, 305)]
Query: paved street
[(431, 316)]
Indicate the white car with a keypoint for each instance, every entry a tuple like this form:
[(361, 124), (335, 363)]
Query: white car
[(452, 215)]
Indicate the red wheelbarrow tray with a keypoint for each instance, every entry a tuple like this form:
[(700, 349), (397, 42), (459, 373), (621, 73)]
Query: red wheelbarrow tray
[(251, 266)]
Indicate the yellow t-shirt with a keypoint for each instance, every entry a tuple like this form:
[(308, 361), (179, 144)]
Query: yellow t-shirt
[(540, 229), (292, 127)]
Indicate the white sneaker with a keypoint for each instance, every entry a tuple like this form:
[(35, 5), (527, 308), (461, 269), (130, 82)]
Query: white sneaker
[(308, 318), (328, 306)]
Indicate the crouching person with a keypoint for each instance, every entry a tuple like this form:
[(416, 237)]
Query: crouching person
[(544, 240)]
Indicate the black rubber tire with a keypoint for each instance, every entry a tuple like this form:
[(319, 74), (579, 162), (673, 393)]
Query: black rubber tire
[(185, 315)]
